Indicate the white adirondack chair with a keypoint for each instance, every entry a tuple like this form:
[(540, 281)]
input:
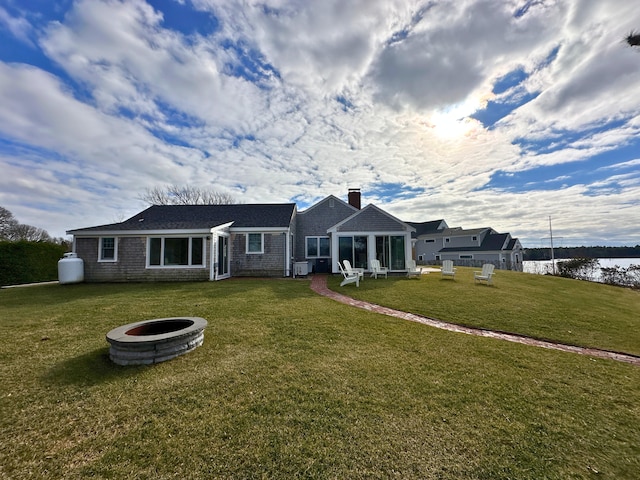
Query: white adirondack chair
[(349, 278), (486, 275), (350, 270), (413, 270), (447, 269), (376, 269)]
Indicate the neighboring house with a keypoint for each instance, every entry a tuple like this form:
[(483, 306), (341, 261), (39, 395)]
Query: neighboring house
[(435, 241)]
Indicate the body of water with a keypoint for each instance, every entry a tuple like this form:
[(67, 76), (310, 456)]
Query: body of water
[(543, 267)]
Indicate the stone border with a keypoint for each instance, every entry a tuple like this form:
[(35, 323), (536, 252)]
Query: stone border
[(319, 285), (127, 349)]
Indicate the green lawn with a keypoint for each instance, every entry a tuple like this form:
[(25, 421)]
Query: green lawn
[(292, 385), (551, 308)]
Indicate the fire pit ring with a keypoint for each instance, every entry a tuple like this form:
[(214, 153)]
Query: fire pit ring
[(154, 341)]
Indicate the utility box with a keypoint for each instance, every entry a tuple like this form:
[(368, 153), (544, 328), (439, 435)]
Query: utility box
[(300, 269)]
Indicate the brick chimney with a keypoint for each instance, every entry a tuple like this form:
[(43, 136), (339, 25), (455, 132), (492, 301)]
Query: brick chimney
[(354, 197)]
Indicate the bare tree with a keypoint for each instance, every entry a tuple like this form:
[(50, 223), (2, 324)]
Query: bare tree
[(185, 195), (7, 223), (633, 39), (29, 233), (14, 231)]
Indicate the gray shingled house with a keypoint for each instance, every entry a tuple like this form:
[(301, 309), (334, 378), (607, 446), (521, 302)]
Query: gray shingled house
[(213, 242), (190, 242), (435, 241)]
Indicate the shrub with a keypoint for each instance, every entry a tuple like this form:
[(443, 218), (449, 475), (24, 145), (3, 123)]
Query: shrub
[(28, 262), (625, 277), (579, 268)]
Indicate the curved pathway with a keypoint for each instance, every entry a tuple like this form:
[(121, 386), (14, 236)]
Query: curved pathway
[(319, 285)]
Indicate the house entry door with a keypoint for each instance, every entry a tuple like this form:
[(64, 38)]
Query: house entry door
[(223, 257)]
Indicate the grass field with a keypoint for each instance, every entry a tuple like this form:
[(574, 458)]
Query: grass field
[(292, 385)]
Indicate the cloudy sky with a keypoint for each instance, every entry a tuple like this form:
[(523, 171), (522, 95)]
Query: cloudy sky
[(481, 112)]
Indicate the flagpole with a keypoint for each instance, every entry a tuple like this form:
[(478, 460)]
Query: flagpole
[(553, 260)]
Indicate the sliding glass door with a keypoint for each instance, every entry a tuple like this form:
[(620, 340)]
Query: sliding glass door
[(353, 249), (390, 251)]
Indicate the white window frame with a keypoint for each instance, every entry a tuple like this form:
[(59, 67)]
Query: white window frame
[(317, 239), (465, 256), (101, 259), (189, 254), (261, 244)]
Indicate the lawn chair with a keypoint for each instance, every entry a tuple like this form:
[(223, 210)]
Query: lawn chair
[(350, 270), (413, 270), (376, 269), (349, 278), (447, 269), (486, 275)]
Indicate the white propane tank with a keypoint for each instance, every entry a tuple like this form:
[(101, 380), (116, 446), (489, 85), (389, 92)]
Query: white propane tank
[(70, 269)]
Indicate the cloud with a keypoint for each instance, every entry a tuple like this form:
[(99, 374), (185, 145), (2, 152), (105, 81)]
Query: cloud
[(278, 99), (19, 27)]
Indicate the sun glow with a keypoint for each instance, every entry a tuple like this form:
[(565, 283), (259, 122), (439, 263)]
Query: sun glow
[(454, 121), (449, 127)]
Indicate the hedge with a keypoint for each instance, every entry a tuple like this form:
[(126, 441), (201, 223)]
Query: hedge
[(29, 262)]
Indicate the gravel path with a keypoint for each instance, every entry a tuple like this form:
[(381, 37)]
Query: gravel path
[(319, 285)]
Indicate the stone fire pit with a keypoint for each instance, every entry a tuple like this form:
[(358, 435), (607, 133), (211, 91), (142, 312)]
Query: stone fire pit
[(154, 341)]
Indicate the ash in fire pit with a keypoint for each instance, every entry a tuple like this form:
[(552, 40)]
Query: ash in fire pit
[(154, 341)]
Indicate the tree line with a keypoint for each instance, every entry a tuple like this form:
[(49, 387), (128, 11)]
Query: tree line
[(582, 252), (11, 230)]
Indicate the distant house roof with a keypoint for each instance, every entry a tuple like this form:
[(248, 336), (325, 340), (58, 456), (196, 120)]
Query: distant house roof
[(425, 228), (491, 243), (197, 217)]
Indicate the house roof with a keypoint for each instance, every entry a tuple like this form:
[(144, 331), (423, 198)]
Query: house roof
[(491, 243), (426, 228), (196, 217), (371, 218), (326, 200)]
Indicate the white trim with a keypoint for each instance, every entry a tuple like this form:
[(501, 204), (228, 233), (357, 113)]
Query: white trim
[(246, 249), (115, 250), (189, 254), (317, 237), (406, 227), (142, 233)]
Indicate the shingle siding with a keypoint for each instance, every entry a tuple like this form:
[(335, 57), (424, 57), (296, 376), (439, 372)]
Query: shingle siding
[(271, 263), (131, 264), (371, 220), (316, 221)]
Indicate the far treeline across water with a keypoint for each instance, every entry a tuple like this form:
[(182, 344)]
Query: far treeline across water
[(582, 252)]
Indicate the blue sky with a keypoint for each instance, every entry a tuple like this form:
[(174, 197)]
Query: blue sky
[(483, 113)]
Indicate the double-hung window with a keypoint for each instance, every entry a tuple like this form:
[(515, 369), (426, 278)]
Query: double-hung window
[(318, 247), (107, 250), (255, 243), (176, 251)]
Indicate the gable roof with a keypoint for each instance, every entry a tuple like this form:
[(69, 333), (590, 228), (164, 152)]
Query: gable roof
[(492, 242), (325, 200), (426, 228), (371, 218), (198, 217)]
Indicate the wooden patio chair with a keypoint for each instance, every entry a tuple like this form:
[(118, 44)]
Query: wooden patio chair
[(376, 269), (486, 275), (349, 278), (447, 269)]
